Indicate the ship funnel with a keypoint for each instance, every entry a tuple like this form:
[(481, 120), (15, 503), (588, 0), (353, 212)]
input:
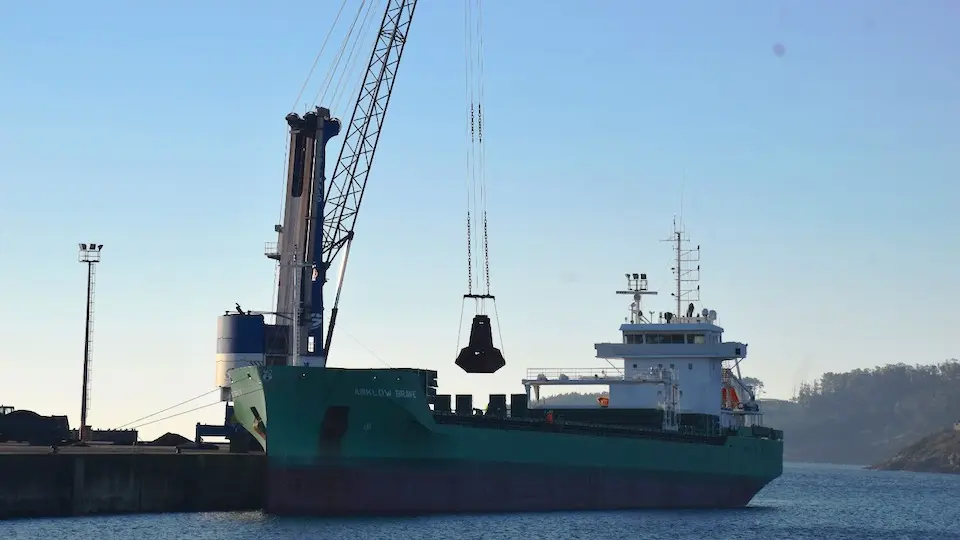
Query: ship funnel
[(480, 356)]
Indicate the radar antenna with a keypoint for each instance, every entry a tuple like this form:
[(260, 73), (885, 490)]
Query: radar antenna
[(637, 287)]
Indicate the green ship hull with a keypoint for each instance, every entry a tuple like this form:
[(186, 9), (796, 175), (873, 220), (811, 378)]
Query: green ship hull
[(366, 441)]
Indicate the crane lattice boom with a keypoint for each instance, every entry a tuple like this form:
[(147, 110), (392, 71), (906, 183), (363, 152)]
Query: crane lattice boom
[(360, 143)]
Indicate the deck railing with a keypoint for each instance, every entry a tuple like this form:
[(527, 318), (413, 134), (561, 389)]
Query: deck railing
[(576, 374), (594, 375)]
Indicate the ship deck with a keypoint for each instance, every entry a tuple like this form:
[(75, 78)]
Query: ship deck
[(575, 428)]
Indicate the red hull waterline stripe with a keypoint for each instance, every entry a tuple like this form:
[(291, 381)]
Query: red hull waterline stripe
[(422, 489)]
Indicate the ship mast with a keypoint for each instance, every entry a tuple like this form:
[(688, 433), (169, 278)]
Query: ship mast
[(679, 267), (686, 269)]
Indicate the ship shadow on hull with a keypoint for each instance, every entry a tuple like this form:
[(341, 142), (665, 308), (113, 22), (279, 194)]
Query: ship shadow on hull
[(332, 429)]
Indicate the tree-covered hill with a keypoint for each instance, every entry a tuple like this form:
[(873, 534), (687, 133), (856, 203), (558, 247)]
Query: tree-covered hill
[(868, 415)]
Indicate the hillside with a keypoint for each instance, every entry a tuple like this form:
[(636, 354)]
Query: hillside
[(858, 417), (939, 453), (869, 415)]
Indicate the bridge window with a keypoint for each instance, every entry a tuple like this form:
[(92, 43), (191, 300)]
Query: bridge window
[(697, 339), (665, 338), (634, 339)]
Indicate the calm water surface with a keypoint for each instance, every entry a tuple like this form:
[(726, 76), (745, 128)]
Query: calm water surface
[(809, 501)]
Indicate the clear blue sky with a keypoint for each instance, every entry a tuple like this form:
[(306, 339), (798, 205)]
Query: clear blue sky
[(822, 185)]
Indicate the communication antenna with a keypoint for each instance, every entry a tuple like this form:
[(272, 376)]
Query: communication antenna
[(686, 269), (89, 254)]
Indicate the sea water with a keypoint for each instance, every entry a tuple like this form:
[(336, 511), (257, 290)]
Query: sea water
[(808, 502)]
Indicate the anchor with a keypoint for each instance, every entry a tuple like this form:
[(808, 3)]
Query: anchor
[(480, 356)]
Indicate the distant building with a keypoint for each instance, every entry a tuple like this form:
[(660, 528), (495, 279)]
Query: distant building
[(956, 426)]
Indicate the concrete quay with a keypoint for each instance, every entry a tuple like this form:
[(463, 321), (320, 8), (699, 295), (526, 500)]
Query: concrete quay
[(38, 482)]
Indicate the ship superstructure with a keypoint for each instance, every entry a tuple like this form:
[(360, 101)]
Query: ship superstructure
[(679, 364)]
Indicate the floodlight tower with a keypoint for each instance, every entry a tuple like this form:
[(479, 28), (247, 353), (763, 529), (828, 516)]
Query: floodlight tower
[(90, 254)]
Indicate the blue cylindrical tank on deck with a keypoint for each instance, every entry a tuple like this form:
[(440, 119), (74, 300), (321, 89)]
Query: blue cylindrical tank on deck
[(240, 334), (239, 343)]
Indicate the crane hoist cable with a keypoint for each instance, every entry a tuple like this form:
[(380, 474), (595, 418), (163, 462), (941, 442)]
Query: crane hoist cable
[(351, 72), (470, 138), (316, 60), (476, 185), (480, 355), (482, 149)]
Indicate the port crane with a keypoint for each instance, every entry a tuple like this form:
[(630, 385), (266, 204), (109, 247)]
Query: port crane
[(320, 215), (319, 218)]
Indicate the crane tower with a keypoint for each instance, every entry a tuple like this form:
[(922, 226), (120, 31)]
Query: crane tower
[(319, 215)]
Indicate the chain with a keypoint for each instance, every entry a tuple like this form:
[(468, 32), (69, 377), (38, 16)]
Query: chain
[(469, 258), (486, 252)]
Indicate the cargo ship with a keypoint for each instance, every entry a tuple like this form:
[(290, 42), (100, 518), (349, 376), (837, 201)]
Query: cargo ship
[(674, 424), (677, 428)]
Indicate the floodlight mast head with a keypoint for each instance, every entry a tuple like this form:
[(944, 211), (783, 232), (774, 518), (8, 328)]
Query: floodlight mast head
[(90, 253)]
